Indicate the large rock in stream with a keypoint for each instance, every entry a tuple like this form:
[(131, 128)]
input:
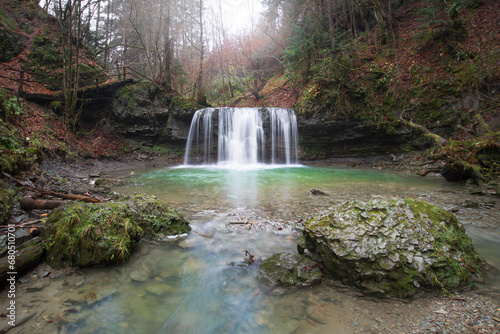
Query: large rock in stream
[(85, 234), (392, 248)]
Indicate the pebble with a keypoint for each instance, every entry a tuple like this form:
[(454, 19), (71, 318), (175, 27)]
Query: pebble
[(462, 314)]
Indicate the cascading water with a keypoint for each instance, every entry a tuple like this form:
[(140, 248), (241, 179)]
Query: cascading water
[(245, 137)]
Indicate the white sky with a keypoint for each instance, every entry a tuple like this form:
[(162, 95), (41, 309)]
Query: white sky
[(238, 15)]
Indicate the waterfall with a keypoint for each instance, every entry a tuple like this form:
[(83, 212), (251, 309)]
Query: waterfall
[(243, 137)]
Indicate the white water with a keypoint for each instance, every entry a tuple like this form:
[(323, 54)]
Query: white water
[(245, 137)]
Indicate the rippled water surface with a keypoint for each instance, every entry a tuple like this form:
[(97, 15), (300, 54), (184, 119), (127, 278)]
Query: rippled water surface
[(204, 283)]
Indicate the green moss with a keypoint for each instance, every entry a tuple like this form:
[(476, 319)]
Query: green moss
[(286, 269), (157, 218), (393, 247), (84, 234), (16, 154), (449, 238), (11, 44), (6, 21)]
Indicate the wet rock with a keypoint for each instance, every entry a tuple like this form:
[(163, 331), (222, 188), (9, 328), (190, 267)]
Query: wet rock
[(138, 276), (20, 319), (100, 293), (104, 183), (287, 269), (317, 192), (74, 298), (317, 313), (22, 235), (144, 113), (392, 247), (159, 289), (37, 286)]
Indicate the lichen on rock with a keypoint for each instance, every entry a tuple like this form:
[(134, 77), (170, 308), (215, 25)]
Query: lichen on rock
[(392, 247), (156, 219), (84, 234)]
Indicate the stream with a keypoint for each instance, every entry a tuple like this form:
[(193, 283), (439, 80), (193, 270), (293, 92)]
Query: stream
[(204, 282)]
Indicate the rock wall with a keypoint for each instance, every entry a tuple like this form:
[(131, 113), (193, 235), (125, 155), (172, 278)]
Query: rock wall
[(321, 138), (146, 114)]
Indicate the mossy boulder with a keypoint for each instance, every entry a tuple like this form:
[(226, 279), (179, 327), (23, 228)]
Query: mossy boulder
[(156, 219), (394, 248), (85, 234), (285, 269)]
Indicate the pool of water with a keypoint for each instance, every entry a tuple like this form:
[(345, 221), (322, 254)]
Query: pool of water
[(204, 283), (279, 193)]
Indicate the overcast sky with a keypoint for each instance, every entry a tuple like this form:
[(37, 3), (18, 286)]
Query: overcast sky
[(238, 15)]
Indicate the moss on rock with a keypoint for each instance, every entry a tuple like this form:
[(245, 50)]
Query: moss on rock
[(287, 269), (84, 234), (393, 248), (157, 219)]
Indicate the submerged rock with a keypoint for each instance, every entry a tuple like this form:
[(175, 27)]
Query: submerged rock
[(287, 269), (318, 192), (84, 234), (392, 248)]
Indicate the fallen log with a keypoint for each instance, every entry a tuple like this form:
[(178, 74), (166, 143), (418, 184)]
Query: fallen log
[(65, 196), (55, 194), (42, 204)]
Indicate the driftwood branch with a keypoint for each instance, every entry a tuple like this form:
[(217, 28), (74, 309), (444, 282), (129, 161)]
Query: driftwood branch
[(65, 196), (55, 194), (42, 204), (436, 138)]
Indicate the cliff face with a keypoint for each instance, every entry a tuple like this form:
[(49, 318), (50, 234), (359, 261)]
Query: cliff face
[(326, 134), (347, 139), (149, 115)]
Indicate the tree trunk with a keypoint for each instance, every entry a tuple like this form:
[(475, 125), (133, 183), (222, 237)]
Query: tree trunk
[(332, 16), (40, 204), (380, 16), (98, 21), (200, 94), (167, 80)]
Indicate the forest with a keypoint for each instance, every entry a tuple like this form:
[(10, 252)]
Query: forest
[(429, 65)]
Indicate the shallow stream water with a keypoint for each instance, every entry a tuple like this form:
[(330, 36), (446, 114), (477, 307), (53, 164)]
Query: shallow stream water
[(204, 283)]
